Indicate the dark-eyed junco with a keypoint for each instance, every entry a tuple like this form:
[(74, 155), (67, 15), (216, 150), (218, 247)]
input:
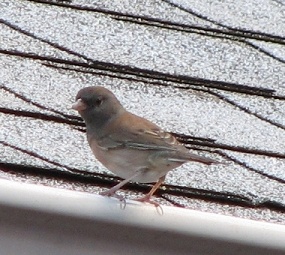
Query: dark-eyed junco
[(130, 146)]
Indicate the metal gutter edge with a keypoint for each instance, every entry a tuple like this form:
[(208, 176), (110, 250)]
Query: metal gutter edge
[(217, 232)]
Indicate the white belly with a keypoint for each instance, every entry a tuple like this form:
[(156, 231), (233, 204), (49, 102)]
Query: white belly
[(125, 162)]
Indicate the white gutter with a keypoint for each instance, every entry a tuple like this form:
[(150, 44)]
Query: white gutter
[(77, 218)]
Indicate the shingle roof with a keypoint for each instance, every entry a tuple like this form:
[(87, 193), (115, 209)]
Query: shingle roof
[(212, 72)]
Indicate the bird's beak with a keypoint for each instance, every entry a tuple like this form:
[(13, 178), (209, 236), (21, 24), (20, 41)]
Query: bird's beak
[(79, 105)]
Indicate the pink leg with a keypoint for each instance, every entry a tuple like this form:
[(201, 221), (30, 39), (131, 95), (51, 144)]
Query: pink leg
[(112, 192), (146, 198)]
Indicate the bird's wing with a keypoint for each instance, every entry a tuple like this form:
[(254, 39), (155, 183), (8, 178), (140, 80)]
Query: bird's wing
[(135, 132)]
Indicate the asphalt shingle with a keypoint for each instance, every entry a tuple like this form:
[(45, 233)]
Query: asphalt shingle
[(217, 84)]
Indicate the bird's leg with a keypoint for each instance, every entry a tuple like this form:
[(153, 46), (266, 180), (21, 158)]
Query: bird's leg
[(112, 192), (146, 198)]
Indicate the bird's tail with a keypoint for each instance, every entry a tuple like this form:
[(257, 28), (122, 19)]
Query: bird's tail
[(184, 157), (202, 159)]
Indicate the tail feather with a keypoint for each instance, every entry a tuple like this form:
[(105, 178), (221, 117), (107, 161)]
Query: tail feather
[(194, 157)]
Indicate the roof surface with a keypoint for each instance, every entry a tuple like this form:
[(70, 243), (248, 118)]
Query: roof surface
[(211, 73)]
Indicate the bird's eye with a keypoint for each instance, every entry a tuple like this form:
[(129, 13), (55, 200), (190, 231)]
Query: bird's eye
[(98, 102)]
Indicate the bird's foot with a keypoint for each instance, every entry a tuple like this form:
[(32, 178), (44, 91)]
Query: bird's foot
[(146, 199), (111, 193)]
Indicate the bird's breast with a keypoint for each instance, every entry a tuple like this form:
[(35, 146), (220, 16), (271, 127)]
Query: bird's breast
[(125, 162)]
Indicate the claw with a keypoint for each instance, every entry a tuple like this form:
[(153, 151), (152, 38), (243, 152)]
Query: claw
[(146, 199), (111, 193)]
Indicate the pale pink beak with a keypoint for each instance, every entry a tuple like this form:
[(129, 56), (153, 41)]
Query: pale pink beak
[(79, 105)]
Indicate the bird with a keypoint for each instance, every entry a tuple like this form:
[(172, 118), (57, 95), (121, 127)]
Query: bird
[(130, 146)]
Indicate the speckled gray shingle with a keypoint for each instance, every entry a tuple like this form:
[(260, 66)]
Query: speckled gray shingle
[(46, 54)]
